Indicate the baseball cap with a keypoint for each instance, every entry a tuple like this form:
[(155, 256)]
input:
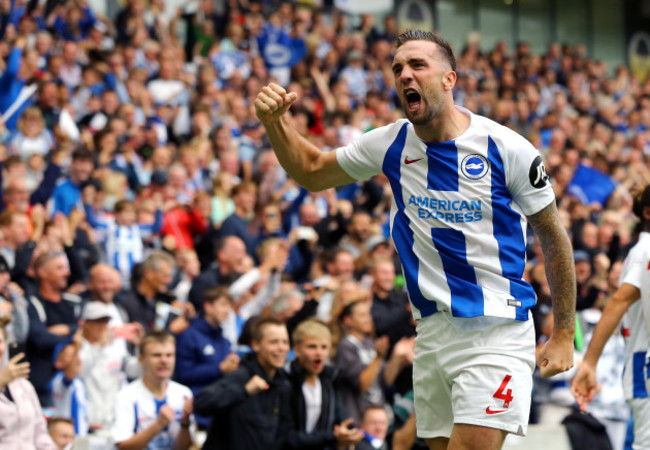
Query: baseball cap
[(96, 311), (159, 178), (581, 255), (374, 241)]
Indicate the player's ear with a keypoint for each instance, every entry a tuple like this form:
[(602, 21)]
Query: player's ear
[(449, 80)]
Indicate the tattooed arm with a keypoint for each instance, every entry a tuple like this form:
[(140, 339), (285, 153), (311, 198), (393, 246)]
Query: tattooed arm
[(557, 354)]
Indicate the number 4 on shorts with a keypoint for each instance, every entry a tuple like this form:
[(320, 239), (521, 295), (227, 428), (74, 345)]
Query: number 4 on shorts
[(502, 394)]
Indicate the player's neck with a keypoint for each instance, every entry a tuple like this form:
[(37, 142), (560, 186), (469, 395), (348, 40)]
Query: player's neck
[(447, 126), (157, 386)]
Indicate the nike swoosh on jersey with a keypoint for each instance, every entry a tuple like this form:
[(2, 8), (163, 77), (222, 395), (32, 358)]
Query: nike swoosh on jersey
[(411, 161), (494, 411)]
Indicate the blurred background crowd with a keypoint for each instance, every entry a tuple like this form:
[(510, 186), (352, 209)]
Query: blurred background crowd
[(136, 178)]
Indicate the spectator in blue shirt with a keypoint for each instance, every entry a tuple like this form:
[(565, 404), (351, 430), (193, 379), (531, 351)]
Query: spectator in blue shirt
[(72, 20), (20, 68), (203, 353), (67, 195)]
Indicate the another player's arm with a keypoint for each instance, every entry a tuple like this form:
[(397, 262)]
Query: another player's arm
[(584, 385), (310, 167), (557, 354)]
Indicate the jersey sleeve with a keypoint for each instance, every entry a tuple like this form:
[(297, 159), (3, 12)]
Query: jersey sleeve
[(637, 268), (364, 157), (527, 179)]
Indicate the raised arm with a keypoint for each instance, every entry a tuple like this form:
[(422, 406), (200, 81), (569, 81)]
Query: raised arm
[(556, 355), (306, 164)]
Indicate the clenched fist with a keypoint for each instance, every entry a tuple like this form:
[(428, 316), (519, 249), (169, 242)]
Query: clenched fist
[(256, 385), (272, 102)]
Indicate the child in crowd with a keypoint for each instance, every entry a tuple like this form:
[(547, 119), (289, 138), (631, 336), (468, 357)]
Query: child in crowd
[(61, 431), (123, 243), (68, 390)]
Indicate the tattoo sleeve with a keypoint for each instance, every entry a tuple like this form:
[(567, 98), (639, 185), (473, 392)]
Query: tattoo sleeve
[(559, 265)]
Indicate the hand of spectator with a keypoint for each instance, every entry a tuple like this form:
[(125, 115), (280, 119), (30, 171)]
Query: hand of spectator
[(256, 385), (332, 201), (405, 349), (584, 385), (77, 338), (61, 224), (131, 332), (346, 434), (15, 289), (14, 370), (20, 42), (76, 288), (189, 311), (273, 102), (178, 325), (60, 329), (188, 408), (333, 284), (381, 346), (38, 217), (230, 363), (166, 415), (6, 308)]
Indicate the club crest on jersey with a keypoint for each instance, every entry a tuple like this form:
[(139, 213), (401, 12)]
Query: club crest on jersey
[(474, 166)]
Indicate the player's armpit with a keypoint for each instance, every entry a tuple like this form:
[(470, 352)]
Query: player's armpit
[(559, 265)]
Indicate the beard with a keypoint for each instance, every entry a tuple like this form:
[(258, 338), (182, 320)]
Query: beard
[(431, 111)]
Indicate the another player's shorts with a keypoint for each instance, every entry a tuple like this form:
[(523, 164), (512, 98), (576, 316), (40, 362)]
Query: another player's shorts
[(641, 414), (475, 371)]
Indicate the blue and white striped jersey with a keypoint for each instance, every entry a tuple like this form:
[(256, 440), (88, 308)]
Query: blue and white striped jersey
[(136, 409), (70, 401), (459, 216), (636, 322)]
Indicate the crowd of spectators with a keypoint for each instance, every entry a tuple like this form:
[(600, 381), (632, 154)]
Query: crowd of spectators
[(140, 195)]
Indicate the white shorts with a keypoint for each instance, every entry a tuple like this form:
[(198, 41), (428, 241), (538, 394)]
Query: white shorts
[(475, 371), (641, 415)]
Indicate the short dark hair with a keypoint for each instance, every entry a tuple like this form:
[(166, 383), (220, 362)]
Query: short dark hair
[(123, 205), (213, 294), (258, 331), (158, 337), (348, 309), (83, 154), (421, 35)]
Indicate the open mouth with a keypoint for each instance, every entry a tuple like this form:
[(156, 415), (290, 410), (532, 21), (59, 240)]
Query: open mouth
[(413, 99), (318, 363)]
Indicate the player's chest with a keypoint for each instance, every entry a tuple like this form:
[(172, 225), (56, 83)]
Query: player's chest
[(452, 169)]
